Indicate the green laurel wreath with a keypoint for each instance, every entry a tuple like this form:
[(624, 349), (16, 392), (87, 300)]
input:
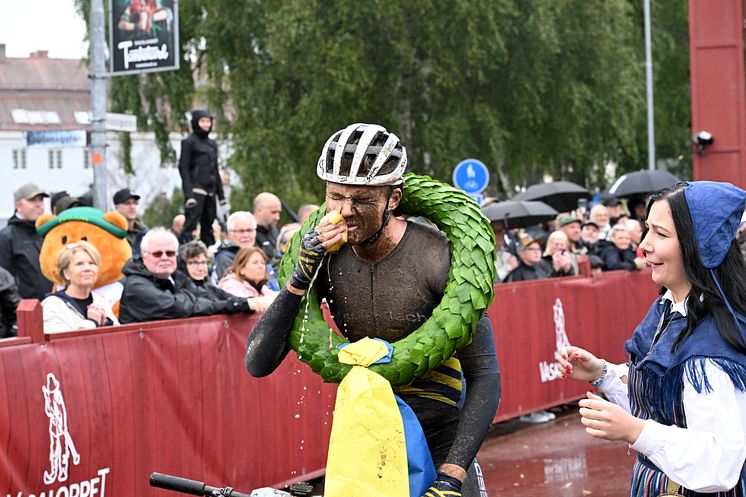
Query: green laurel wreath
[(468, 293)]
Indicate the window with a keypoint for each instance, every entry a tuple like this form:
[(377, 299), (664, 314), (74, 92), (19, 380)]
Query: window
[(25, 116), (19, 116), (82, 117), (86, 159), (51, 117), (55, 158), (19, 159)]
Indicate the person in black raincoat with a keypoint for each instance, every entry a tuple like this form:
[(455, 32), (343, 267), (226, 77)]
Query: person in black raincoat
[(200, 179)]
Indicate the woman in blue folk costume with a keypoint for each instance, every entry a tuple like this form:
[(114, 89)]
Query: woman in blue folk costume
[(680, 402)]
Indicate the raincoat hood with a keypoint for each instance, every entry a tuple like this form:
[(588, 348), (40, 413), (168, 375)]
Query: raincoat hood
[(196, 116)]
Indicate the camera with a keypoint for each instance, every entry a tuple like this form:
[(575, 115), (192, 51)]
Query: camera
[(702, 140)]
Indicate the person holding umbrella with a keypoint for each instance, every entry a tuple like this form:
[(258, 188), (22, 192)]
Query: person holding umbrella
[(681, 400)]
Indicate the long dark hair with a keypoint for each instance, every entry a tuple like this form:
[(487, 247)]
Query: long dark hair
[(730, 274)]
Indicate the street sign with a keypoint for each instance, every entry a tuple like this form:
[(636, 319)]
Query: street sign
[(55, 139), (471, 175), (121, 122), (478, 197)]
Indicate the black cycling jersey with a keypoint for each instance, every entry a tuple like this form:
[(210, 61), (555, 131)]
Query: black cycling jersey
[(390, 299)]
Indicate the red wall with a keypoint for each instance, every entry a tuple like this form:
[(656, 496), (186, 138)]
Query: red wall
[(174, 397), (716, 39)]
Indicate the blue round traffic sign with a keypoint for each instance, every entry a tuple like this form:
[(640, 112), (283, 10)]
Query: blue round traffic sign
[(471, 175)]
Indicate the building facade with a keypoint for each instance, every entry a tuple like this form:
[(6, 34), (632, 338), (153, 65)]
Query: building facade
[(45, 114)]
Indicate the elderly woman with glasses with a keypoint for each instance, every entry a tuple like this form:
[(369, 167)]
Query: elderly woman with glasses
[(194, 261), (76, 306)]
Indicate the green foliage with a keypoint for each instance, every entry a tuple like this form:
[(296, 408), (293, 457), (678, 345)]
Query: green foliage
[(162, 210), (530, 87)]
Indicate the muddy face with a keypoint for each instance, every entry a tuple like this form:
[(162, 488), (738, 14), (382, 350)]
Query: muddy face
[(361, 206)]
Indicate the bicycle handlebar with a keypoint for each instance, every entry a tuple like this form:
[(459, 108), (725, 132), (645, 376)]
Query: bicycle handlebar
[(191, 487)]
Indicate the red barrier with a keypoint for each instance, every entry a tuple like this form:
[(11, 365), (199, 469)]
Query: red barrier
[(599, 314), (174, 397), (171, 397)]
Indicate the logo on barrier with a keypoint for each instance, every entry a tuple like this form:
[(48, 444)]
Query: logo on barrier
[(551, 371), (61, 449), (61, 445)]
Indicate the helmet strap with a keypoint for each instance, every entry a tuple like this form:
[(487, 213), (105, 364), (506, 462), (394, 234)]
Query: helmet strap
[(384, 220)]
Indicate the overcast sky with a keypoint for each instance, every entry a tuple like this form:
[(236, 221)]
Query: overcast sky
[(30, 25)]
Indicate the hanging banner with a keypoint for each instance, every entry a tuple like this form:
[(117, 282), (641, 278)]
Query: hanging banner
[(143, 36)]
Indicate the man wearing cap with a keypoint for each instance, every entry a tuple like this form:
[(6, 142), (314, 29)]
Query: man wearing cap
[(20, 244), (589, 235), (572, 228), (125, 202), (200, 179), (531, 266)]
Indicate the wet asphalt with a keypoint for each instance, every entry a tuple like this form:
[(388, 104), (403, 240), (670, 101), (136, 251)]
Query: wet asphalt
[(556, 459)]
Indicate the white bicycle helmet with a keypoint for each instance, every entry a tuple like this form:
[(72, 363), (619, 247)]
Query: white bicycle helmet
[(363, 154)]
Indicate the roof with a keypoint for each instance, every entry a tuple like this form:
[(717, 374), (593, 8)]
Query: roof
[(45, 93)]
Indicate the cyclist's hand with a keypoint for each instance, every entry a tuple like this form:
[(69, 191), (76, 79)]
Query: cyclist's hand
[(444, 486), (314, 245), (311, 254)]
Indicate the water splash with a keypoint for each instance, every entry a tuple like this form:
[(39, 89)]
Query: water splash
[(308, 302)]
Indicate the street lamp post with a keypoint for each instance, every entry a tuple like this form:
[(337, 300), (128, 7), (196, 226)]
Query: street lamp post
[(98, 97), (649, 86)]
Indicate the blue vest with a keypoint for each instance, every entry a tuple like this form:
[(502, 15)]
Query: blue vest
[(656, 382)]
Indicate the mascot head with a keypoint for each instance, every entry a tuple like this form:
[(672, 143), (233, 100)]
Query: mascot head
[(106, 231)]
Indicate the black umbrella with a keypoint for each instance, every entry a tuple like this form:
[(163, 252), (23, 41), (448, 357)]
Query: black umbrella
[(518, 213), (562, 195), (642, 182)]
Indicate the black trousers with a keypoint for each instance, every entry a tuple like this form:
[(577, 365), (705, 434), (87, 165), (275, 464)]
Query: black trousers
[(202, 214)]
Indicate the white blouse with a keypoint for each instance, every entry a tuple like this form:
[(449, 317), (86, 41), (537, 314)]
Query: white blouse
[(709, 454)]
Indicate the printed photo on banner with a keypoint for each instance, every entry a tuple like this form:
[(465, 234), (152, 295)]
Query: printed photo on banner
[(144, 36)]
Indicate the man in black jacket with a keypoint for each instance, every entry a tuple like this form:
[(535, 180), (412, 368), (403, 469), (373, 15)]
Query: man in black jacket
[(267, 209), (9, 299), (200, 179), (20, 245), (125, 203), (154, 290)]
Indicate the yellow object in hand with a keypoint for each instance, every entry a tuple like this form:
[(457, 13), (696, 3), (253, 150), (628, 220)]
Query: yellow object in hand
[(335, 217)]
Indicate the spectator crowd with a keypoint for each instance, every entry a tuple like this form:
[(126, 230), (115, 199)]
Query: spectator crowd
[(607, 237), (232, 268), (164, 279)]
